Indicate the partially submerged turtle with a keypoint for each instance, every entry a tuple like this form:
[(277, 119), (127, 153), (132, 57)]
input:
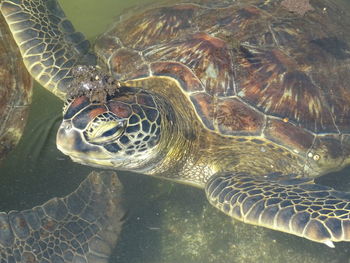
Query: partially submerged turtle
[(81, 227), (244, 99), (15, 91)]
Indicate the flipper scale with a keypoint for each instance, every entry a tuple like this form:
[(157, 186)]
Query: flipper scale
[(68, 229), (48, 42), (298, 207)]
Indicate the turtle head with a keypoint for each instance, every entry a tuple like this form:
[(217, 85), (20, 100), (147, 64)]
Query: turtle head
[(120, 130)]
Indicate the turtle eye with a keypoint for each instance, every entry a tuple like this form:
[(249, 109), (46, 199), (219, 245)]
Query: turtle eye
[(105, 129)]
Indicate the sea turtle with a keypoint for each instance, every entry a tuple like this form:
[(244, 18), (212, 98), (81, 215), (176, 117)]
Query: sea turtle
[(15, 91), (248, 100), (81, 227)]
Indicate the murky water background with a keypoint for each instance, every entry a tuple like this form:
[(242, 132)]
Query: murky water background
[(166, 222)]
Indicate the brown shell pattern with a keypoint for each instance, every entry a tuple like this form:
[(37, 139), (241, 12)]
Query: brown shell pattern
[(248, 67), (15, 91)]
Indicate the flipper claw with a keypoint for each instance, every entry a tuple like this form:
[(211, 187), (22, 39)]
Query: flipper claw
[(329, 243)]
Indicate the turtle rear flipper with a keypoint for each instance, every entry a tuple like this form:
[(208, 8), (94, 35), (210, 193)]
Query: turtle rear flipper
[(48, 42), (295, 206), (81, 227)]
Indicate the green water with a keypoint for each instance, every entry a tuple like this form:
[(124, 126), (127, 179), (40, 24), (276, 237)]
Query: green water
[(166, 223)]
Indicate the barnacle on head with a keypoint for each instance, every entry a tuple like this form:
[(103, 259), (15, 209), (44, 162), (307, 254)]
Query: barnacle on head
[(92, 82)]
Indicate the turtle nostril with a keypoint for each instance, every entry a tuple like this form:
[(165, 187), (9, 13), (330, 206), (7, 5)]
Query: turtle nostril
[(66, 125), (71, 142)]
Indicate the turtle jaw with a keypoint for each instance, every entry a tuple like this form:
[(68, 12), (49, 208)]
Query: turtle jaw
[(70, 142)]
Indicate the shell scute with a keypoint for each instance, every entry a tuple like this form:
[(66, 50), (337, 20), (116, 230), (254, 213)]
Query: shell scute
[(275, 62), (216, 74), (204, 105), (105, 47), (178, 71), (338, 96), (125, 61), (228, 116), (156, 25), (274, 82), (235, 117), (288, 134)]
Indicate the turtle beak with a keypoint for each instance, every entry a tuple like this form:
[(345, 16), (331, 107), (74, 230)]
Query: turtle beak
[(71, 142)]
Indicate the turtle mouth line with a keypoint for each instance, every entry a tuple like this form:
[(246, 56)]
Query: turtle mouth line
[(94, 161), (80, 159), (89, 162)]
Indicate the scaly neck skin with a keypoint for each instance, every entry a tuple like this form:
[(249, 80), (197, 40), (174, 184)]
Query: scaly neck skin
[(183, 153), (174, 156), (170, 140)]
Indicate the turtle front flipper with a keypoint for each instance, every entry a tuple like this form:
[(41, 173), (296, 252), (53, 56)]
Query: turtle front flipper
[(48, 42), (295, 206), (81, 227)]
